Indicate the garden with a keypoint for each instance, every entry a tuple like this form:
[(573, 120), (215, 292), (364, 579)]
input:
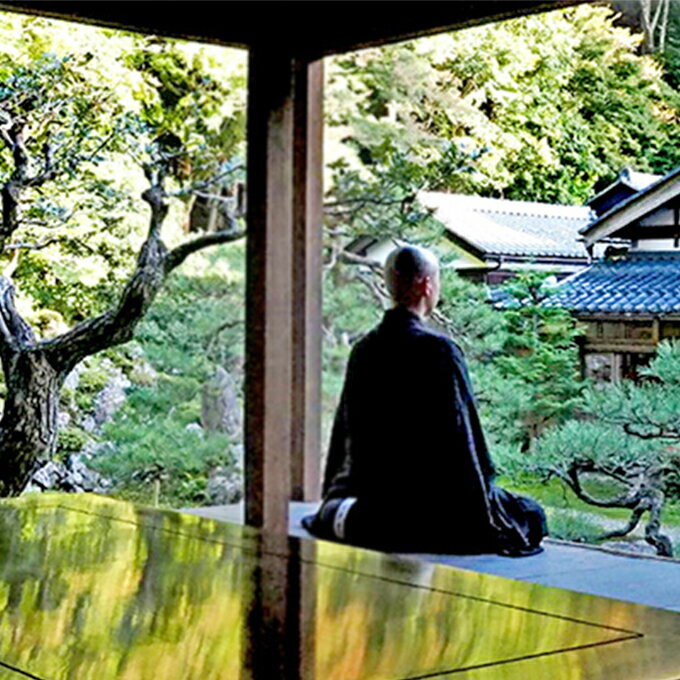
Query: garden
[(122, 171)]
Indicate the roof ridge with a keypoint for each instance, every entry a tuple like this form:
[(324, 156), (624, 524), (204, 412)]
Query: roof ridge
[(537, 214)]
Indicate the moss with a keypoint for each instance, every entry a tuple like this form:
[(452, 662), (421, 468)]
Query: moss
[(84, 402), (142, 378), (71, 439), (120, 358), (93, 380)]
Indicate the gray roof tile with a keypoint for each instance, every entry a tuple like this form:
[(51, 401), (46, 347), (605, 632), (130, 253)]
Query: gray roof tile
[(639, 282), (513, 228)]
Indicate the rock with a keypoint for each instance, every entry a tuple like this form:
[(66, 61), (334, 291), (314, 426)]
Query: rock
[(224, 486), (111, 398), (220, 410), (94, 448), (143, 373), (73, 476), (89, 424), (194, 427), (73, 378), (63, 419), (49, 476), (239, 455), (83, 477)]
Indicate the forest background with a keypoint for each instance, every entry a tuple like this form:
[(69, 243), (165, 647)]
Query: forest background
[(546, 108)]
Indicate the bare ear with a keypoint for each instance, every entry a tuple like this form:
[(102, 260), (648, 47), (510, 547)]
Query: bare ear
[(420, 286)]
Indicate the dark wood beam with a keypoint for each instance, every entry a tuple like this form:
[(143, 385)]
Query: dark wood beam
[(269, 289), (307, 265), (345, 29), (338, 26)]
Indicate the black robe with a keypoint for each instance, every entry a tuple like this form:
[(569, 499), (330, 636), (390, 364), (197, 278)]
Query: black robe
[(408, 444)]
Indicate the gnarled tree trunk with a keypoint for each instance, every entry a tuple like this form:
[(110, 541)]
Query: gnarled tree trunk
[(35, 370), (28, 428)]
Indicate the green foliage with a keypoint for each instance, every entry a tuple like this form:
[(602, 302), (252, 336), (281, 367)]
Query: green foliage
[(98, 106), (186, 333), (476, 326), (625, 429), (535, 381), (71, 439), (183, 103), (594, 443), (545, 107), (151, 445), (93, 380), (102, 114), (573, 526), (197, 320)]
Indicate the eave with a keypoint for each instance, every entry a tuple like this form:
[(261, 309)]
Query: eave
[(336, 26), (633, 209)]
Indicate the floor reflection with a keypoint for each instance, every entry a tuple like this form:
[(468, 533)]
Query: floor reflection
[(94, 589)]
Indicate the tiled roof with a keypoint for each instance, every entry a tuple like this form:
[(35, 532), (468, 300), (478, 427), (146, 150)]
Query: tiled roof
[(634, 207), (638, 180), (512, 228), (637, 283)]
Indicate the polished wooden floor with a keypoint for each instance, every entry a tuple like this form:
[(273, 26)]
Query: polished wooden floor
[(96, 589)]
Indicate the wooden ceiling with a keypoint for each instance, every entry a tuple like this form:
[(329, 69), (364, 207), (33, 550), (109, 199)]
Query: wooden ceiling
[(305, 29)]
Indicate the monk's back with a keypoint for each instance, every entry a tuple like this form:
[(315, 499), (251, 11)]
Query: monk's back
[(399, 413)]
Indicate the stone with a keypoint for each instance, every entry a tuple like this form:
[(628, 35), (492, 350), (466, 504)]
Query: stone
[(49, 476), (220, 408), (111, 398), (89, 424), (83, 477), (73, 378), (195, 428), (224, 486), (72, 476), (239, 454), (143, 373)]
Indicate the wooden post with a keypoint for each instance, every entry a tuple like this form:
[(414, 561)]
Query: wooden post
[(269, 289), (306, 315)]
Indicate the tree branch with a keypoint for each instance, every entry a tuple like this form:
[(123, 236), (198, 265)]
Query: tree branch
[(628, 428), (381, 296), (20, 245), (206, 184), (631, 524), (49, 171), (177, 255), (353, 258), (15, 332), (571, 479), (214, 334), (116, 326)]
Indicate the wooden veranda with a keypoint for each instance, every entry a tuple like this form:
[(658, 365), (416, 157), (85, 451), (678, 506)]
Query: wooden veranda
[(286, 42)]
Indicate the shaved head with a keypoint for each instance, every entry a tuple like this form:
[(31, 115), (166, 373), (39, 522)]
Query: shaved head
[(406, 269)]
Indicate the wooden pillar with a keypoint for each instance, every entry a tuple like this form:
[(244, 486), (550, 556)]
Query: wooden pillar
[(307, 227), (269, 289)]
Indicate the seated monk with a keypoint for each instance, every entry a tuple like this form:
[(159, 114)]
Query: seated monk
[(408, 468)]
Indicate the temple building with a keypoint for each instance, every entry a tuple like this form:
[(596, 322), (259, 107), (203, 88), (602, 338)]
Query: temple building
[(629, 300), (490, 239)]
